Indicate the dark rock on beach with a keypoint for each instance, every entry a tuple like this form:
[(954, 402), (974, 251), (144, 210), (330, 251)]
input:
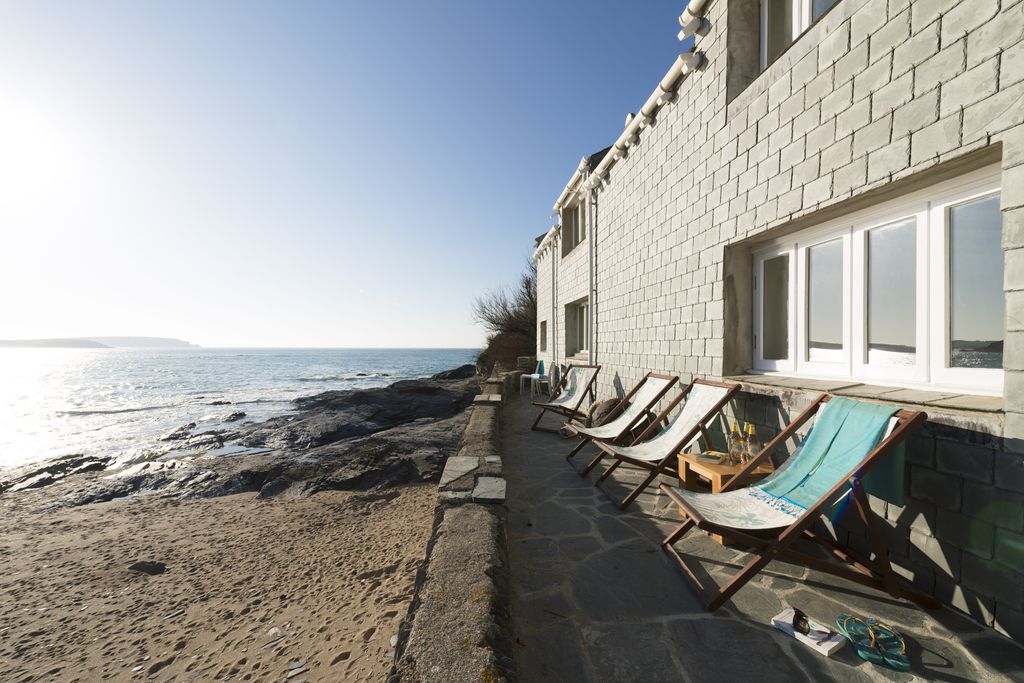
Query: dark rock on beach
[(180, 433), (349, 440), (462, 372), (148, 567), (41, 474)]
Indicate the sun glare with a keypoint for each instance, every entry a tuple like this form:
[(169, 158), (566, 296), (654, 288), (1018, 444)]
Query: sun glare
[(41, 158)]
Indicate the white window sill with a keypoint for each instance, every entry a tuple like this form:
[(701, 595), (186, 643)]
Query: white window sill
[(944, 400)]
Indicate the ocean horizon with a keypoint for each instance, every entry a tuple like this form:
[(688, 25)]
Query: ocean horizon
[(118, 401)]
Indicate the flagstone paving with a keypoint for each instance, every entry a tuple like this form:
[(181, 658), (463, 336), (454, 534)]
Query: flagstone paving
[(594, 598)]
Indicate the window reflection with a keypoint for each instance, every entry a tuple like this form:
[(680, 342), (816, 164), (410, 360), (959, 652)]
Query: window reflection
[(775, 307), (892, 294), (779, 29), (819, 7), (976, 298), (825, 302)]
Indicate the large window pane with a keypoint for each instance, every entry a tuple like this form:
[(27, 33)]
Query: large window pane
[(779, 30), (976, 285), (825, 302), (892, 293), (775, 308)]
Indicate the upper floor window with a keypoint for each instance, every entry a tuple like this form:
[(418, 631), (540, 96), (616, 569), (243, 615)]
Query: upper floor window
[(782, 22), (574, 226), (543, 335), (909, 292)]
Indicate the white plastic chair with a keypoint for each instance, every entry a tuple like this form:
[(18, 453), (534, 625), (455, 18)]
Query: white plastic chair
[(537, 379)]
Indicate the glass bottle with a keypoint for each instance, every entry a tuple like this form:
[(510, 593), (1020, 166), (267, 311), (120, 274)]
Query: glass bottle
[(735, 445), (751, 445)]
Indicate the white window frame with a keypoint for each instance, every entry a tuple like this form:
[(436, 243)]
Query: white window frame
[(930, 208), (574, 229), (954, 377), (583, 327), (785, 364), (893, 212), (803, 362)]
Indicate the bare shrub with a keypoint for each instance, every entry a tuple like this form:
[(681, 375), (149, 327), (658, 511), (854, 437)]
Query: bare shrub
[(509, 314)]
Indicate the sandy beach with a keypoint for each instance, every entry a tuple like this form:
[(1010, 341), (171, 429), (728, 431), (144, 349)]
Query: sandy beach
[(312, 588)]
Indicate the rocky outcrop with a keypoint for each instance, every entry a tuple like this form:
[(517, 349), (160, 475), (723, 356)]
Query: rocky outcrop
[(462, 372), (335, 416), (360, 439), (39, 475)]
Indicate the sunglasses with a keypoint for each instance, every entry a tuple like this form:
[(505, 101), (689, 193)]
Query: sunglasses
[(801, 624)]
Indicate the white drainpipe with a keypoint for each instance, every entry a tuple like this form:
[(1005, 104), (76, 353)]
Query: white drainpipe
[(591, 199), (554, 308)]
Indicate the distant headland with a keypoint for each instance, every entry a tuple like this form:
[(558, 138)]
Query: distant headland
[(99, 343)]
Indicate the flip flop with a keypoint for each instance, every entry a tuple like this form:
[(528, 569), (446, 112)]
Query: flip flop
[(891, 644), (874, 641)]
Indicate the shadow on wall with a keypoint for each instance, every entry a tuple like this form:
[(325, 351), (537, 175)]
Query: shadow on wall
[(620, 391)]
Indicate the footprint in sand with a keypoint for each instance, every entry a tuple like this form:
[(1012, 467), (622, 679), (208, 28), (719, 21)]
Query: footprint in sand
[(368, 634)]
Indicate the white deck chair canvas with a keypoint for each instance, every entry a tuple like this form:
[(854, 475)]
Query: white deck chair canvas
[(569, 394), (627, 413), (655, 450)]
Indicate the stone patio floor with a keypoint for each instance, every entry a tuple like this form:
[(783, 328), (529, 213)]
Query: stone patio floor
[(594, 598)]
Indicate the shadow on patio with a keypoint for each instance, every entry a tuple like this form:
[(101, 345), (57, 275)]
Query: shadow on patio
[(594, 598)]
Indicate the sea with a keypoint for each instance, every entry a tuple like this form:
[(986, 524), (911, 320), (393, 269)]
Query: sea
[(113, 402)]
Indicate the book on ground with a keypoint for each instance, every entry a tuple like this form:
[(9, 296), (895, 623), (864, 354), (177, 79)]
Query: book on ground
[(826, 646)]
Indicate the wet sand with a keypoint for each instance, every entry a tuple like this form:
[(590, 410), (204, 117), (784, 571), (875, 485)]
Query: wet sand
[(253, 589)]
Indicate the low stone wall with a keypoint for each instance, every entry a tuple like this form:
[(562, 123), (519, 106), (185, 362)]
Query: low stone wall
[(458, 627)]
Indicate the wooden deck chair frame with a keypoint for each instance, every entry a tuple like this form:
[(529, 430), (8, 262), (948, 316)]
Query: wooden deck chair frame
[(877, 573), (668, 464), (622, 405), (573, 412)]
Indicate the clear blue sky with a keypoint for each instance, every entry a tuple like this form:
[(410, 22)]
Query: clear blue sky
[(297, 174)]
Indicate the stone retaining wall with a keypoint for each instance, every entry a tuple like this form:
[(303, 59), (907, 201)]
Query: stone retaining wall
[(458, 626)]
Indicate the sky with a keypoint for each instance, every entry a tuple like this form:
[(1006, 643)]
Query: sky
[(319, 174)]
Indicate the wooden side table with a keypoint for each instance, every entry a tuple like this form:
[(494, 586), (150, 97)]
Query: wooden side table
[(692, 470)]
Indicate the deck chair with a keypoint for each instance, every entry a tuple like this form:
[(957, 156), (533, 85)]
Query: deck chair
[(847, 440), (569, 394), (656, 451), (629, 412)]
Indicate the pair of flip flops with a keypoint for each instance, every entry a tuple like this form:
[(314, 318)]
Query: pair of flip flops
[(874, 641)]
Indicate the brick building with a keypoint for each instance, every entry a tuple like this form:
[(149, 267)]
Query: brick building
[(842, 210)]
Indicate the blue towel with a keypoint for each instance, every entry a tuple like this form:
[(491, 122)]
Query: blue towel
[(886, 480), (844, 432)]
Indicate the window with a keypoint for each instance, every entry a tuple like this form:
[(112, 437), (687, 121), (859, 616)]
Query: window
[(775, 274), (782, 22), (909, 293), (583, 327), (543, 335), (577, 327), (574, 226)]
